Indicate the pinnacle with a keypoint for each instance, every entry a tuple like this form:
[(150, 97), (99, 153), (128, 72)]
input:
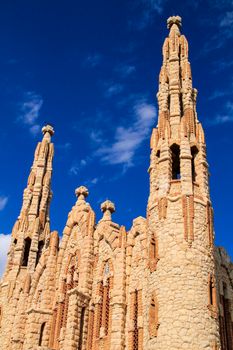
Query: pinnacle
[(81, 192), (48, 128), (108, 206), (174, 20)]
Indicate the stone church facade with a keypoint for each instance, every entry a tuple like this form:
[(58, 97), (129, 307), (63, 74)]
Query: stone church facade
[(162, 285)]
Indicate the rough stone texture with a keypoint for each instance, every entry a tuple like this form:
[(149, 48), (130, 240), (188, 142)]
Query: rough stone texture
[(162, 285)]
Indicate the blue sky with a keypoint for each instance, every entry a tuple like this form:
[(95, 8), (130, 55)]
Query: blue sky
[(91, 69)]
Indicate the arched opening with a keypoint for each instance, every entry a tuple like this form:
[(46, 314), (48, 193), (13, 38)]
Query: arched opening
[(81, 328), (194, 152), (175, 153), (42, 328), (27, 246), (39, 252)]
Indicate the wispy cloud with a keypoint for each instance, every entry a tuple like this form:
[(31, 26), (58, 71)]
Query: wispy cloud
[(92, 182), (77, 166), (112, 89), (219, 93), (148, 10), (3, 202), (223, 26), (225, 117), (4, 244), (64, 146), (124, 70), (29, 111), (222, 65), (128, 139), (93, 60)]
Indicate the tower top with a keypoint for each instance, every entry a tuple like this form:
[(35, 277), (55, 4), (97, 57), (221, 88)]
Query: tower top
[(48, 128), (174, 20)]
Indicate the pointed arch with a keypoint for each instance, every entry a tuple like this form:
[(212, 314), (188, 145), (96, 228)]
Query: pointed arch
[(103, 309), (175, 158), (26, 252)]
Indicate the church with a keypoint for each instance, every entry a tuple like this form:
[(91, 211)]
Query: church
[(163, 285)]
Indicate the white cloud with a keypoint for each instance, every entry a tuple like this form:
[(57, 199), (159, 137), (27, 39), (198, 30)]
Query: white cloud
[(93, 60), (3, 202), (4, 247), (29, 111), (128, 139)]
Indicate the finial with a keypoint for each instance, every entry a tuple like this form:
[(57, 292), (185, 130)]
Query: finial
[(48, 128), (81, 192), (174, 20), (107, 208)]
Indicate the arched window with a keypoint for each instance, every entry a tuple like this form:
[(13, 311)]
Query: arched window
[(194, 152), (42, 328), (175, 153), (27, 246), (39, 252), (102, 313), (153, 317)]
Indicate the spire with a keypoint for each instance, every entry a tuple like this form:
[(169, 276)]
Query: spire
[(32, 227), (178, 145), (176, 96)]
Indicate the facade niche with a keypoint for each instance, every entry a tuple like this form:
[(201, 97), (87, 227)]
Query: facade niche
[(175, 154), (27, 246), (194, 152), (42, 329)]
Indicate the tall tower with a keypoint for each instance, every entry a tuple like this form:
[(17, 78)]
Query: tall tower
[(32, 228), (179, 211)]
